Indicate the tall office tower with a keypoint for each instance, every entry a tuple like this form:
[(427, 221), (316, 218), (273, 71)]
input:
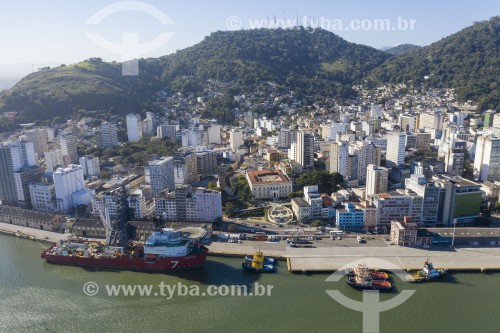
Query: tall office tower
[(214, 134), (15, 157), (108, 136), (53, 159), (487, 159), (304, 149), (90, 165), (39, 138), (235, 139), (396, 142), (69, 187), (161, 173), (134, 127), (338, 158), (69, 148), (367, 153), (377, 179)]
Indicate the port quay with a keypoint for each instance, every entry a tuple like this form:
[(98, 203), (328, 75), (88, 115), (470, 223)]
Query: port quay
[(330, 259)]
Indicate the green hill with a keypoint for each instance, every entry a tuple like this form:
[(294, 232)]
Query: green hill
[(467, 60), (309, 61), (401, 49)]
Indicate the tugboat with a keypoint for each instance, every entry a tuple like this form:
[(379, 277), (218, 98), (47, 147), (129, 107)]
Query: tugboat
[(257, 264), (363, 282), (362, 269), (267, 260), (428, 273)]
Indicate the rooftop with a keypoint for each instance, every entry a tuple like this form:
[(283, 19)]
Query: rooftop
[(267, 176), (28, 214)]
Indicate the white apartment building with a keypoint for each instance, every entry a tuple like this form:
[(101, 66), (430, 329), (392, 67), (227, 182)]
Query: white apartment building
[(161, 174), (377, 179), (487, 159), (396, 143), (134, 127), (90, 165)]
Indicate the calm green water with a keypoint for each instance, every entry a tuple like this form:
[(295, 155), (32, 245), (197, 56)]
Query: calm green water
[(39, 297)]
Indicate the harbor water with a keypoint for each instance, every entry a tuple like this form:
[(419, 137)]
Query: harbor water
[(40, 297)]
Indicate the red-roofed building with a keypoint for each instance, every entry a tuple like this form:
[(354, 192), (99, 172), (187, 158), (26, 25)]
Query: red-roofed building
[(269, 184)]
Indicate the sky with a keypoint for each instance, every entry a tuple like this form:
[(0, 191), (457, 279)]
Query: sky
[(56, 31)]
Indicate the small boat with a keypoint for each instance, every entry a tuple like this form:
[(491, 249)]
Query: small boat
[(267, 260), (361, 269), (361, 282), (257, 264), (426, 274), (21, 235)]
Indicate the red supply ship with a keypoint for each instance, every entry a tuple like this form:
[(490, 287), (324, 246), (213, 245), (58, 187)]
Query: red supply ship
[(165, 250)]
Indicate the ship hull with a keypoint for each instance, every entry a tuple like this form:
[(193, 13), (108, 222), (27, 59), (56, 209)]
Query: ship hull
[(133, 264)]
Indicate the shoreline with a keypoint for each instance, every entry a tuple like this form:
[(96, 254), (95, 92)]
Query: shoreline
[(329, 259)]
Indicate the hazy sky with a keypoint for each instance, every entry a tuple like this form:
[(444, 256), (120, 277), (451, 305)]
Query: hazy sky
[(54, 31)]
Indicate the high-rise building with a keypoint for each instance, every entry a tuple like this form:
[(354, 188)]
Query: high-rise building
[(407, 122), (396, 142), (206, 163), (460, 200), (90, 165), (53, 159), (69, 148), (166, 131), (39, 138), (431, 194), (16, 157), (23, 178), (285, 138), (304, 149), (235, 139), (69, 187), (107, 136), (151, 122), (395, 206), (214, 134), (454, 162), (189, 204), (161, 173), (377, 179), (185, 168), (43, 197), (489, 116), (487, 159), (134, 127), (338, 158), (329, 131), (367, 153)]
